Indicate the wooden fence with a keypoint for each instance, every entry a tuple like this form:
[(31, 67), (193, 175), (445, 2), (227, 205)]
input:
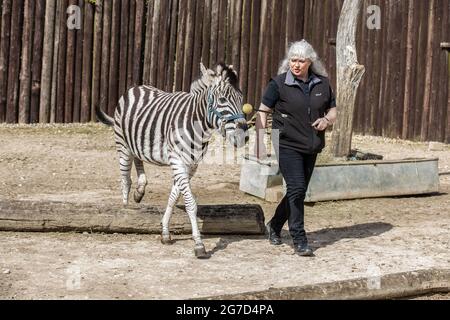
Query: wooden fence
[(51, 73)]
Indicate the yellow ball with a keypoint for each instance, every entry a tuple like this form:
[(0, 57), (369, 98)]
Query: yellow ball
[(247, 108)]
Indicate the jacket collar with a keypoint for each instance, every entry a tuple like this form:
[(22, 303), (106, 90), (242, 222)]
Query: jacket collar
[(313, 79)]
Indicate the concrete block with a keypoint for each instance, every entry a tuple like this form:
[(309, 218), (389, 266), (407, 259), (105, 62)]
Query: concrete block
[(346, 180), (259, 175)]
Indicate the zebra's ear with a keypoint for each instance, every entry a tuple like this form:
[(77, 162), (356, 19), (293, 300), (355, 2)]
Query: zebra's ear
[(203, 69)]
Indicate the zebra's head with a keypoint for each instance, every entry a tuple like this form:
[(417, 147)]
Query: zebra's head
[(225, 102)]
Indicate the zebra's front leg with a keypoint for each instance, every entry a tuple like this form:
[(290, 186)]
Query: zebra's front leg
[(142, 181), (125, 162), (173, 198), (191, 209)]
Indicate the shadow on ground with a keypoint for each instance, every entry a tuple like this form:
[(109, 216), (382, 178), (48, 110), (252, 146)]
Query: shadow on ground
[(320, 238)]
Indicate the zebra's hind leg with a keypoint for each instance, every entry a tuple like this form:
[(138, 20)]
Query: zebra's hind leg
[(142, 181), (173, 198), (125, 162)]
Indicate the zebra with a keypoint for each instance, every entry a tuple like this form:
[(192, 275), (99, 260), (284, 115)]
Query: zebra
[(157, 127)]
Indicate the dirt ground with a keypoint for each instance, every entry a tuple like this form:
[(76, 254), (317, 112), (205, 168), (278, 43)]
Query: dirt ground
[(78, 163)]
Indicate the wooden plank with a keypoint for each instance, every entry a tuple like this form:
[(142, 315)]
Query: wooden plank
[(148, 42), (123, 46), (5, 34), (206, 37), (88, 40), (436, 79), (387, 67), (253, 54), (245, 47), (383, 73), (138, 45), (428, 71), (420, 63), (70, 72), (178, 79), (61, 67), (170, 84), (275, 37), (14, 63), (32, 216), (36, 64), (131, 44), (76, 116), (282, 29), (235, 44), (47, 61), (444, 87), (222, 32), (97, 56), (25, 68), (408, 74), (213, 58), (198, 34), (263, 74), (114, 58), (56, 56), (163, 45), (189, 46), (155, 43), (106, 57)]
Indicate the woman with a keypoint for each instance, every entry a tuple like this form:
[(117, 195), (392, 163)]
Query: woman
[(303, 106)]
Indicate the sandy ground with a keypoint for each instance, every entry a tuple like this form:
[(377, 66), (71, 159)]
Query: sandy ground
[(77, 163)]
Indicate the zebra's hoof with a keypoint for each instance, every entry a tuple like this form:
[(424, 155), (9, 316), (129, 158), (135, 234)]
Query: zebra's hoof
[(138, 196), (200, 252), (167, 240)]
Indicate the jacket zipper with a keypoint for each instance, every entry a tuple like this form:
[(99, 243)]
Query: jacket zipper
[(310, 122)]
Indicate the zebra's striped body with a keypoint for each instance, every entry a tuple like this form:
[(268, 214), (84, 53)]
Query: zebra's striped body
[(174, 129)]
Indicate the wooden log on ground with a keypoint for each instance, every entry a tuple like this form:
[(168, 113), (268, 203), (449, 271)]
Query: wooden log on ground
[(32, 216)]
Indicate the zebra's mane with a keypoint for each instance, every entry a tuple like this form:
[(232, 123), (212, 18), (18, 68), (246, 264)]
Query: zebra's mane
[(222, 73)]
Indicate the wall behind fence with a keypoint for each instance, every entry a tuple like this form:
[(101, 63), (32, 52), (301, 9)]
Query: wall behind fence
[(50, 73)]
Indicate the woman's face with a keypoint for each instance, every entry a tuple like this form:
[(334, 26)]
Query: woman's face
[(299, 66)]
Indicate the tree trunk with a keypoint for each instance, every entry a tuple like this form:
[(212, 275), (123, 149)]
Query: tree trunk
[(349, 75), (29, 216)]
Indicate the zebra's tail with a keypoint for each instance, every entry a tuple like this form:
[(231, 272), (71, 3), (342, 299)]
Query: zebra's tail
[(103, 117)]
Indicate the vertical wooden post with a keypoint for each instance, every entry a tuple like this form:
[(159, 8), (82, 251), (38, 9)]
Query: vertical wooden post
[(106, 41), (97, 56), (138, 31), (14, 63), (36, 68), (61, 65), (25, 69), (349, 75), (4, 55), (148, 42), (114, 58), (153, 63), (428, 73), (56, 48), (170, 85), (123, 45)]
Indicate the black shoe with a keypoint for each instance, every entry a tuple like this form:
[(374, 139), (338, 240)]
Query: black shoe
[(274, 237), (302, 249)]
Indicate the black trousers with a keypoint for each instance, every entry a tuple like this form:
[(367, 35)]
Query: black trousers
[(296, 168)]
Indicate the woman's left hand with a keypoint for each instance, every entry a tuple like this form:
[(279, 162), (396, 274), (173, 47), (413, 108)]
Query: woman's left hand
[(320, 124)]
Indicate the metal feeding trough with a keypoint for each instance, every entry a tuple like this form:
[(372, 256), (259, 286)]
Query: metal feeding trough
[(346, 180)]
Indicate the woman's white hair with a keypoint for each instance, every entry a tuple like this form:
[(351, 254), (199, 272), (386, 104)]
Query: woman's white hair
[(303, 50)]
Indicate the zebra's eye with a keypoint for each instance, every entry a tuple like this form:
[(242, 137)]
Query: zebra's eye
[(222, 101)]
